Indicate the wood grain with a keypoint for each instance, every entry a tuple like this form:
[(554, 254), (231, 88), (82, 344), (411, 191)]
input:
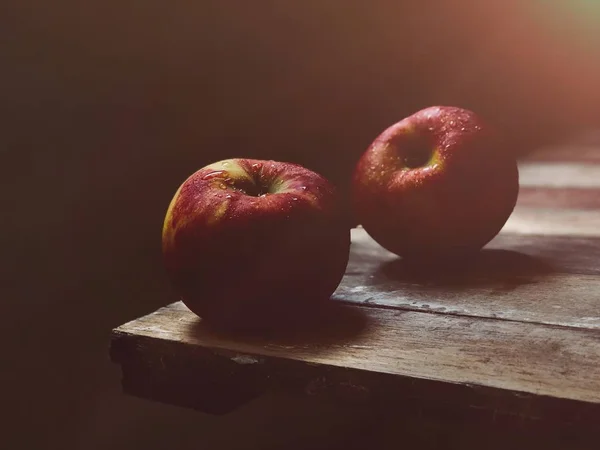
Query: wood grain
[(518, 358), (553, 222), (559, 174), (559, 198), (579, 152), (519, 278)]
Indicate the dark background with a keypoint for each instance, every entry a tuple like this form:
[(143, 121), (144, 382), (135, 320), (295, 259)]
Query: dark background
[(108, 105)]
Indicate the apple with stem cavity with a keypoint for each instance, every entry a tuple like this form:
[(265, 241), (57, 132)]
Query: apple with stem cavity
[(252, 244), (435, 185)]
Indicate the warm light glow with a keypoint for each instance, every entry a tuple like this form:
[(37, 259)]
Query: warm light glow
[(580, 18)]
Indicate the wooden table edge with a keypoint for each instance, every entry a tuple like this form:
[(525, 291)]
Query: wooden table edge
[(252, 373)]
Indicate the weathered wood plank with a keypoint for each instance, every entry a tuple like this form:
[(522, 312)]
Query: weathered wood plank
[(559, 174), (580, 152), (370, 347), (553, 222), (551, 281), (548, 254), (555, 302), (559, 198), (513, 254)]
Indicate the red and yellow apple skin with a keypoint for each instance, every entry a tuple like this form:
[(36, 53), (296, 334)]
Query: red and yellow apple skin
[(437, 184), (251, 244)]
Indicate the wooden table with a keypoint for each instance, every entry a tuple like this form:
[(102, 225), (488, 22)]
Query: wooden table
[(512, 337)]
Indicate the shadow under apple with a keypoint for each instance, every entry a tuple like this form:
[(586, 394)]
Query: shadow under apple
[(317, 327), (502, 269)]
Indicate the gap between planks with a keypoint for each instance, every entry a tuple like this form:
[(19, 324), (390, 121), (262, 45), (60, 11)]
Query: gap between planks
[(552, 281), (579, 327)]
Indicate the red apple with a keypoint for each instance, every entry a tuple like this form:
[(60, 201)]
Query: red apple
[(252, 244), (434, 185)]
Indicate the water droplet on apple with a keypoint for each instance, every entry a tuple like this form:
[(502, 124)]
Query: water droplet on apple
[(256, 166), (452, 123), (228, 196), (222, 186), (430, 128), (226, 164), (294, 198), (462, 129), (303, 188), (214, 174)]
